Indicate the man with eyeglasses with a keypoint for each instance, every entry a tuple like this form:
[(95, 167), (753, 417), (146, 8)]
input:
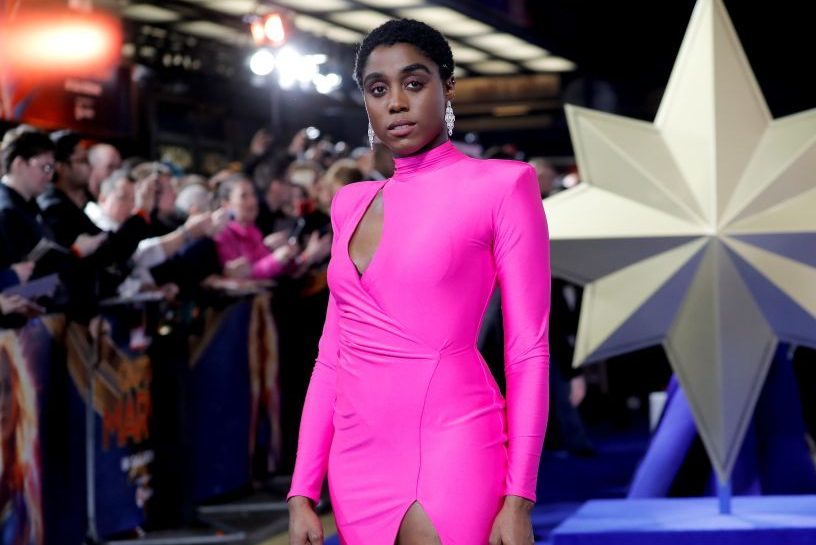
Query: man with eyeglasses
[(28, 161), (63, 201)]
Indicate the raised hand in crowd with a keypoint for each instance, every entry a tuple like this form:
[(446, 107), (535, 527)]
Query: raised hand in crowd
[(317, 249), (85, 244), (286, 253), (23, 270), (220, 220), (298, 144), (261, 142), (146, 190), (199, 225), (275, 240)]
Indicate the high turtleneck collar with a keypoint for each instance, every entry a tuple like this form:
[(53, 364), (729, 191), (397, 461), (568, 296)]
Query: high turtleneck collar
[(442, 155)]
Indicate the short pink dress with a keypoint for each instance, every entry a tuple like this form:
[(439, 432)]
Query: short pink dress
[(401, 407)]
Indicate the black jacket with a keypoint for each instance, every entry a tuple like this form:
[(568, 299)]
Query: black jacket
[(21, 229), (67, 221)]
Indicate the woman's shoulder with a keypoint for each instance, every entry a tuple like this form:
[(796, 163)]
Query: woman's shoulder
[(496, 177), (348, 196), (507, 169)]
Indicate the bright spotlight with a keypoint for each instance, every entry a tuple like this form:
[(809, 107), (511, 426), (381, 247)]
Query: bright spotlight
[(286, 81), (306, 71), (289, 63), (318, 58), (262, 62), (326, 83)]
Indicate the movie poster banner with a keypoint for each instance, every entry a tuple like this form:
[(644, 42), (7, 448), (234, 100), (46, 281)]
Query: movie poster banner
[(234, 382), (222, 393)]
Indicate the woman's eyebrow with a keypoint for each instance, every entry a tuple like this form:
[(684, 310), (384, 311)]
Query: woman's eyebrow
[(406, 70), (415, 67), (371, 76)]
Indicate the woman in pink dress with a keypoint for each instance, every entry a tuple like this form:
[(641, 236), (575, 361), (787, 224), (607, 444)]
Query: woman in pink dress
[(419, 444), (240, 245)]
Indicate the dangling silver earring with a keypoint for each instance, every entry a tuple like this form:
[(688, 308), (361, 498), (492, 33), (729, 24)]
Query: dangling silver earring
[(449, 118), (371, 136)]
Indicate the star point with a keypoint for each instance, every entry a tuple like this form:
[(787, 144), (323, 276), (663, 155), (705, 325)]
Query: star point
[(689, 231)]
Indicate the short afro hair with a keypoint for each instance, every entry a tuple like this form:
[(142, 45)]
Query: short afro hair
[(407, 31)]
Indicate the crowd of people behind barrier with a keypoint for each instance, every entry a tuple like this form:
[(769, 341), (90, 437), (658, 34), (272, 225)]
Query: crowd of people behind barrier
[(98, 227), (81, 226)]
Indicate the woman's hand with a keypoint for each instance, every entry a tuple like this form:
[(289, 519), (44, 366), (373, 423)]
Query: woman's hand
[(239, 268), (318, 248), (220, 219), (198, 225), (146, 190), (285, 253), (85, 245), (577, 390), (275, 240), (304, 525), (513, 525)]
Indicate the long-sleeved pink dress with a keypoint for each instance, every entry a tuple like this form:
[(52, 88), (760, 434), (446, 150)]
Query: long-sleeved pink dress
[(401, 407)]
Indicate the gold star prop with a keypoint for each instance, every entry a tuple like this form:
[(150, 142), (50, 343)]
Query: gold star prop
[(697, 231)]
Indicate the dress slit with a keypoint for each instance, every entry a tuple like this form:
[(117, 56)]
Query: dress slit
[(371, 259), (426, 515)]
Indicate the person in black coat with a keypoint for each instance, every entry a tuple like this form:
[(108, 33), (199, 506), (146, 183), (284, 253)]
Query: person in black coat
[(63, 211)]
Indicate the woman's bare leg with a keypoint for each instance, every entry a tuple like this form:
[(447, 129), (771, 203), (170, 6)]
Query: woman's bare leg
[(417, 528)]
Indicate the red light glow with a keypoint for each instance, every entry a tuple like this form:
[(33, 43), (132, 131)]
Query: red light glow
[(61, 44), (274, 29), (258, 32)]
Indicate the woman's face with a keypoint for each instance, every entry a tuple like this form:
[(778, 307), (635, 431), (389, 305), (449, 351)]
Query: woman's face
[(405, 99), (166, 194), (297, 197), (276, 195), (8, 409), (243, 202)]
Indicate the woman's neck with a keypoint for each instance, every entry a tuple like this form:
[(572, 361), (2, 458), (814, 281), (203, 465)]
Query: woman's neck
[(435, 143)]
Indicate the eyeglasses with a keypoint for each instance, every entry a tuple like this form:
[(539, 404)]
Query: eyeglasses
[(47, 168)]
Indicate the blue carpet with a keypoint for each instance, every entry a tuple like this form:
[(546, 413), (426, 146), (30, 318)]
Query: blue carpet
[(763, 520)]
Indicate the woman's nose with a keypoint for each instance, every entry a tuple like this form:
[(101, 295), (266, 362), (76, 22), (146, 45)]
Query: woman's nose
[(398, 102)]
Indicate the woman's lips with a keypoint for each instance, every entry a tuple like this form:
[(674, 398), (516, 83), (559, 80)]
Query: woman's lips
[(401, 129)]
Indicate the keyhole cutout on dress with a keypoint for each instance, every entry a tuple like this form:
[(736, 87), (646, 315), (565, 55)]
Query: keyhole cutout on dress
[(365, 240)]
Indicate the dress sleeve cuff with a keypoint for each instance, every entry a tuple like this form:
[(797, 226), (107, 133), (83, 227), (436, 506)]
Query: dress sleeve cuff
[(523, 493), (306, 493)]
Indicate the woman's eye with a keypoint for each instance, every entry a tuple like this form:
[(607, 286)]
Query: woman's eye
[(377, 90), (414, 84)]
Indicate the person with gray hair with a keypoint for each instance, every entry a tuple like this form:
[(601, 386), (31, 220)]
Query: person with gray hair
[(118, 196), (193, 199), (104, 159)]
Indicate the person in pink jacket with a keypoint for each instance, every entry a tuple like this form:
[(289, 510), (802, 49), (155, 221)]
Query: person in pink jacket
[(240, 245), (419, 443)]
